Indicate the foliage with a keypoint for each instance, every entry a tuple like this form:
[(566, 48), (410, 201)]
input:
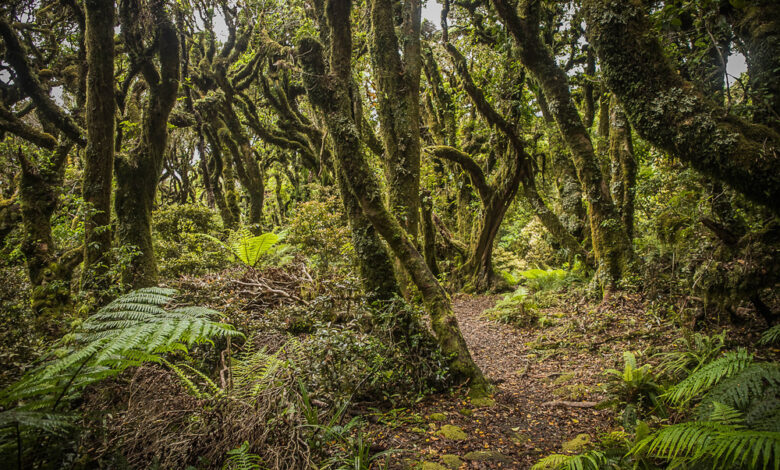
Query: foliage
[(178, 243), (694, 351), (241, 459), (593, 460), (635, 385), (771, 336), (515, 309), (132, 330), (714, 443), (712, 373), (318, 230), (250, 250)]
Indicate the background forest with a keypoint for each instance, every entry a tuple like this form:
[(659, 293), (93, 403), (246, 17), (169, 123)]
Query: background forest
[(334, 234)]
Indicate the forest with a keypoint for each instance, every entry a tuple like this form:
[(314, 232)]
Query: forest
[(390, 234)]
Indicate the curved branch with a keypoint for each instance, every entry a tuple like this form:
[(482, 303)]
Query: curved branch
[(469, 166)]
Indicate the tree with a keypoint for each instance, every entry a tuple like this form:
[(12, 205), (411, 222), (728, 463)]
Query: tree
[(330, 89)]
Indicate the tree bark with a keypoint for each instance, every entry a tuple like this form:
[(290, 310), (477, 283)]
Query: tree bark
[(99, 155)]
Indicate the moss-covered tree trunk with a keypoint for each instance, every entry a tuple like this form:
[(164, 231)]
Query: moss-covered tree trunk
[(138, 172), (99, 156), (623, 181), (49, 272), (398, 89), (331, 92), (611, 246), (376, 268), (671, 114)]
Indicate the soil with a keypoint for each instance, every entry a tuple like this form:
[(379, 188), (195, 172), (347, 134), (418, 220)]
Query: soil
[(547, 383)]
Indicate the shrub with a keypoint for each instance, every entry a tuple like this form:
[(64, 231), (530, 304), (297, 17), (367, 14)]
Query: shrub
[(515, 309)]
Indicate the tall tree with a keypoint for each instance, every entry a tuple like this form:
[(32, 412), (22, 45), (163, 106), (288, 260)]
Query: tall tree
[(99, 155), (138, 170)]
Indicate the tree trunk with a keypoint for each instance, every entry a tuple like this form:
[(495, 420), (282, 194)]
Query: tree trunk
[(99, 156), (621, 151), (49, 274), (398, 90), (138, 172), (376, 268)]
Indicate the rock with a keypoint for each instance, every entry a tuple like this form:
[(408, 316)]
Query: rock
[(577, 444), (438, 416), (452, 432), (487, 456), (483, 402), (451, 461)]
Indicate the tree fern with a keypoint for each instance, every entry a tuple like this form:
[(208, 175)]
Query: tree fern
[(592, 460), (707, 376), (129, 331), (248, 250)]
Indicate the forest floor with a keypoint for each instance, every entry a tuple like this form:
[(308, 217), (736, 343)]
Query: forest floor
[(547, 383)]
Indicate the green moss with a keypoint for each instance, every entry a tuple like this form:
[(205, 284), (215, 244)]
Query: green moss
[(451, 461), (483, 402), (487, 456), (438, 416), (466, 411), (431, 466), (576, 445), (452, 432)]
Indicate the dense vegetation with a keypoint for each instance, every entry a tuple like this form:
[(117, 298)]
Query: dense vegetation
[(246, 234)]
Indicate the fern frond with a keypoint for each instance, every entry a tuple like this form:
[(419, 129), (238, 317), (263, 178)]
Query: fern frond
[(251, 249), (764, 414), (132, 330), (592, 460), (708, 375), (771, 336), (744, 387), (722, 445), (241, 459), (53, 423)]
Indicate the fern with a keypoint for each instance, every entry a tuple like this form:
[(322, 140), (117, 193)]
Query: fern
[(722, 445), (747, 385), (707, 376), (592, 460), (771, 336), (131, 330), (248, 250), (241, 459)]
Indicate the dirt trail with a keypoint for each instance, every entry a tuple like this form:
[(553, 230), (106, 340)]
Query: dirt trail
[(524, 420)]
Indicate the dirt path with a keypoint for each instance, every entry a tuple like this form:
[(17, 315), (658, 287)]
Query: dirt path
[(533, 371)]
